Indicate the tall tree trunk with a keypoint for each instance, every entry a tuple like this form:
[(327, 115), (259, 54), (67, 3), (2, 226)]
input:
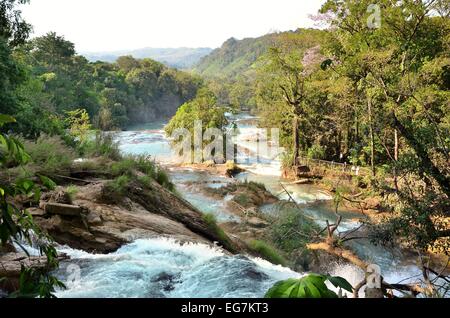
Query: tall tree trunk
[(296, 140), (372, 137)]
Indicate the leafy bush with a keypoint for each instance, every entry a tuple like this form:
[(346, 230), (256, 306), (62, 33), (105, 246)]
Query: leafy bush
[(72, 191), (126, 166), (255, 186), (163, 179), (290, 220), (130, 165), (267, 252), (117, 187), (316, 152)]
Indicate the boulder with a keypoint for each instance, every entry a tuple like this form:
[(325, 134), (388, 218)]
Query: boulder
[(257, 222), (35, 212), (94, 219), (11, 267)]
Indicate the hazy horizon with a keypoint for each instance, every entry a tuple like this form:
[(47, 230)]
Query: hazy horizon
[(136, 24)]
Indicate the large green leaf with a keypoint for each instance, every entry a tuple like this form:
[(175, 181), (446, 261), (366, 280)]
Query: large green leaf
[(311, 286), (47, 182), (341, 283)]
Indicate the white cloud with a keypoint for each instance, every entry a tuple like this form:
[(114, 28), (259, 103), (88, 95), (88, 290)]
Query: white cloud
[(104, 25)]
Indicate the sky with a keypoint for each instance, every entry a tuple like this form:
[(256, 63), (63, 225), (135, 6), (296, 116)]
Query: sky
[(110, 25)]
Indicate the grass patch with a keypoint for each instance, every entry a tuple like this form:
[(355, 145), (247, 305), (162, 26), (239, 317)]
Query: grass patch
[(267, 252), (254, 186), (72, 191), (291, 220), (50, 155), (211, 222), (128, 166), (102, 145), (242, 199)]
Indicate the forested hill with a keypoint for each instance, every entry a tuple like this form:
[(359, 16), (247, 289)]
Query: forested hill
[(181, 58), (54, 80), (237, 57)]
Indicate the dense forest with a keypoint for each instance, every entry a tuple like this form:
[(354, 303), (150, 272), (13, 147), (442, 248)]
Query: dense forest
[(372, 96), (49, 79), (231, 70)]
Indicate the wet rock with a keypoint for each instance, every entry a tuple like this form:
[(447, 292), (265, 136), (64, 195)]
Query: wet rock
[(103, 227), (166, 281), (254, 274), (94, 219), (36, 212), (61, 196), (257, 222), (7, 248), (11, 267)]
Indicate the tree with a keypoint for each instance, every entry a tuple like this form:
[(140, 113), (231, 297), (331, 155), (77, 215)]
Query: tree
[(203, 108), (11, 76), (17, 226), (284, 74), (13, 28), (400, 68)]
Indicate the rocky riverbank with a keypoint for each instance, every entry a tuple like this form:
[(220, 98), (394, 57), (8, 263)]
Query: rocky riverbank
[(89, 217)]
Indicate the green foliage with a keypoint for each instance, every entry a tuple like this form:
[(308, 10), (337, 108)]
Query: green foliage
[(242, 199), (129, 166), (310, 286), (204, 107), (72, 191), (50, 155), (291, 221), (47, 79), (316, 152), (79, 124), (12, 26), (267, 252), (35, 283), (211, 222), (394, 76), (163, 179), (102, 145), (118, 187)]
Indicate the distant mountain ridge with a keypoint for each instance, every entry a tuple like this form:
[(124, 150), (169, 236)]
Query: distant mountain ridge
[(237, 57), (181, 58)]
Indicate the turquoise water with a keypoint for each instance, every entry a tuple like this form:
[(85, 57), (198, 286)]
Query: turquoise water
[(165, 268)]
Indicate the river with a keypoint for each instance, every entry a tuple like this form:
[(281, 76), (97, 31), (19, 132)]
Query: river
[(165, 268)]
